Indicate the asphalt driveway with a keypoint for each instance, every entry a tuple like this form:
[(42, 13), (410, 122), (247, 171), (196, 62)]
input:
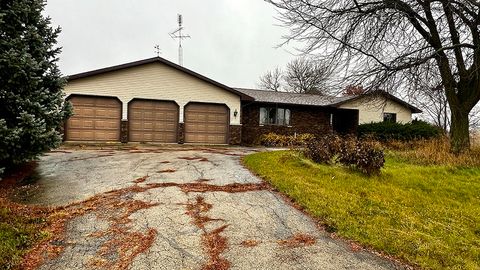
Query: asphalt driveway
[(180, 208)]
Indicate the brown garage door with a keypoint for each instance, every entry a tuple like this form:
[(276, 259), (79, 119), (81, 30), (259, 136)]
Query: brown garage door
[(94, 119), (153, 121), (206, 123)]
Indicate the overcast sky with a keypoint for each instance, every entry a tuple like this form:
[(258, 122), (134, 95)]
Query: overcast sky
[(232, 41)]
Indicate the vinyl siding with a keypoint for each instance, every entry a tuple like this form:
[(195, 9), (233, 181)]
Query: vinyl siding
[(155, 81), (372, 109)]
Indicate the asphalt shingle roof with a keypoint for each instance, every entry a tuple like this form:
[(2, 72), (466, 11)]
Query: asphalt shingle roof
[(291, 98)]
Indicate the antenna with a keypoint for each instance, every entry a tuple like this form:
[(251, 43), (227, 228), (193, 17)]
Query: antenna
[(157, 50), (177, 34)]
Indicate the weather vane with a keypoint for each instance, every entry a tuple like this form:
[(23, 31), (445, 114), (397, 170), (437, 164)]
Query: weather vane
[(157, 50)]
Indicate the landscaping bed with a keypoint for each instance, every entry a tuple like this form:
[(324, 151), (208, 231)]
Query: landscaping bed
[(426, 215)]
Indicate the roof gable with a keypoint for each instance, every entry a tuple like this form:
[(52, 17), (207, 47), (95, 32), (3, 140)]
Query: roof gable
[(379, 93), (162, 61)]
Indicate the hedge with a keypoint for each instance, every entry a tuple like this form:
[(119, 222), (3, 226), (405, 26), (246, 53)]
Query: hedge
[(385, 131)]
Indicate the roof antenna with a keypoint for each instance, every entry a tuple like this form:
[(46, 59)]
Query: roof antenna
[(157, 50), (177, 34)]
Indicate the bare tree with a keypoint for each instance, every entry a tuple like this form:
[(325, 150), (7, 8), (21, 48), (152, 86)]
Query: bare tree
[(305, 75), (385, 43), (430, 96), (272, 80)]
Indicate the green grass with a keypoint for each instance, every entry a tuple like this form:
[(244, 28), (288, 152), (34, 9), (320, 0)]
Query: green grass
[(17, 234), (426, 215)]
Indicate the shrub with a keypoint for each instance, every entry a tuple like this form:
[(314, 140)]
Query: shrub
[(324, 149), (362, 155), (273, 139), (386, 131)]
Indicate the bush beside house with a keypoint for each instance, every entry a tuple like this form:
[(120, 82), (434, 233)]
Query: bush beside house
[(384, 131)]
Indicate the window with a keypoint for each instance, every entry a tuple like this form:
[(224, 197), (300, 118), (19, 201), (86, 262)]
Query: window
[(390, 117), (274, 116)]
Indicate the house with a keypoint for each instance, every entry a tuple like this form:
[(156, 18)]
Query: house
[(378, 107), (292, 113), (157, 101)]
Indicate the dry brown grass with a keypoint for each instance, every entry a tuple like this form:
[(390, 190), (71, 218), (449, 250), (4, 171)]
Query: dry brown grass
[(435, 152), (476, 139)]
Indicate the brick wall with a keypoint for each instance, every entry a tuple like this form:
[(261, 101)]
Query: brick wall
[(303, 119), (124, 131), (235, 134), (181, 133)]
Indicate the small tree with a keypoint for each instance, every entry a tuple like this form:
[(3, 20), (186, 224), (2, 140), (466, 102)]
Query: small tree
[(272, 80), (302, 75), (305, 75), (32, 107)]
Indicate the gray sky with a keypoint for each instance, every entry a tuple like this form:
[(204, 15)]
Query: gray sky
[(232, 40)]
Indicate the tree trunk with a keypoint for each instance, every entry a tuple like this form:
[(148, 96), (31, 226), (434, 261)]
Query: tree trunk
[(459, 130)]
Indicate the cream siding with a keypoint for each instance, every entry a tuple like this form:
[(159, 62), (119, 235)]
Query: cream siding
[(155, 81), (372, 109)]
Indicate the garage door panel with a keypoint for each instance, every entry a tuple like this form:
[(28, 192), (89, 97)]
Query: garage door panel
[(153, 121), (106, 124), (107, 113), (94, 119), (206, 123)]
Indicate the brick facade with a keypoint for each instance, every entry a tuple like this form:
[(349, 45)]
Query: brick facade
[(124, 131), (235, 135), (181, 133), (303, 119)]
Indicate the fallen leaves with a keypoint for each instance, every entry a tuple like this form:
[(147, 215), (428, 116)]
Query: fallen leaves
[(113, 206), (213, 243), (230, 188), (250, 243), (167, 171), (297, 240), (140, 180), (194, 158), (200, 180)]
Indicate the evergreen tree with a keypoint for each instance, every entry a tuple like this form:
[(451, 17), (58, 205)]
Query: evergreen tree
[(32, 106)]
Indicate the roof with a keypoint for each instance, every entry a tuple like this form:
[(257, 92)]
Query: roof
[(157, 60), (314, 100), (290, 98), (381, 93)]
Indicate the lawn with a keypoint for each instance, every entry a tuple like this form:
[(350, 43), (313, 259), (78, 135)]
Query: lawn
[(18, 232), (428, 216), (21, 226)]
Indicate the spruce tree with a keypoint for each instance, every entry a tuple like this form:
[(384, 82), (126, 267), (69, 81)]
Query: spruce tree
[(32, 106)]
